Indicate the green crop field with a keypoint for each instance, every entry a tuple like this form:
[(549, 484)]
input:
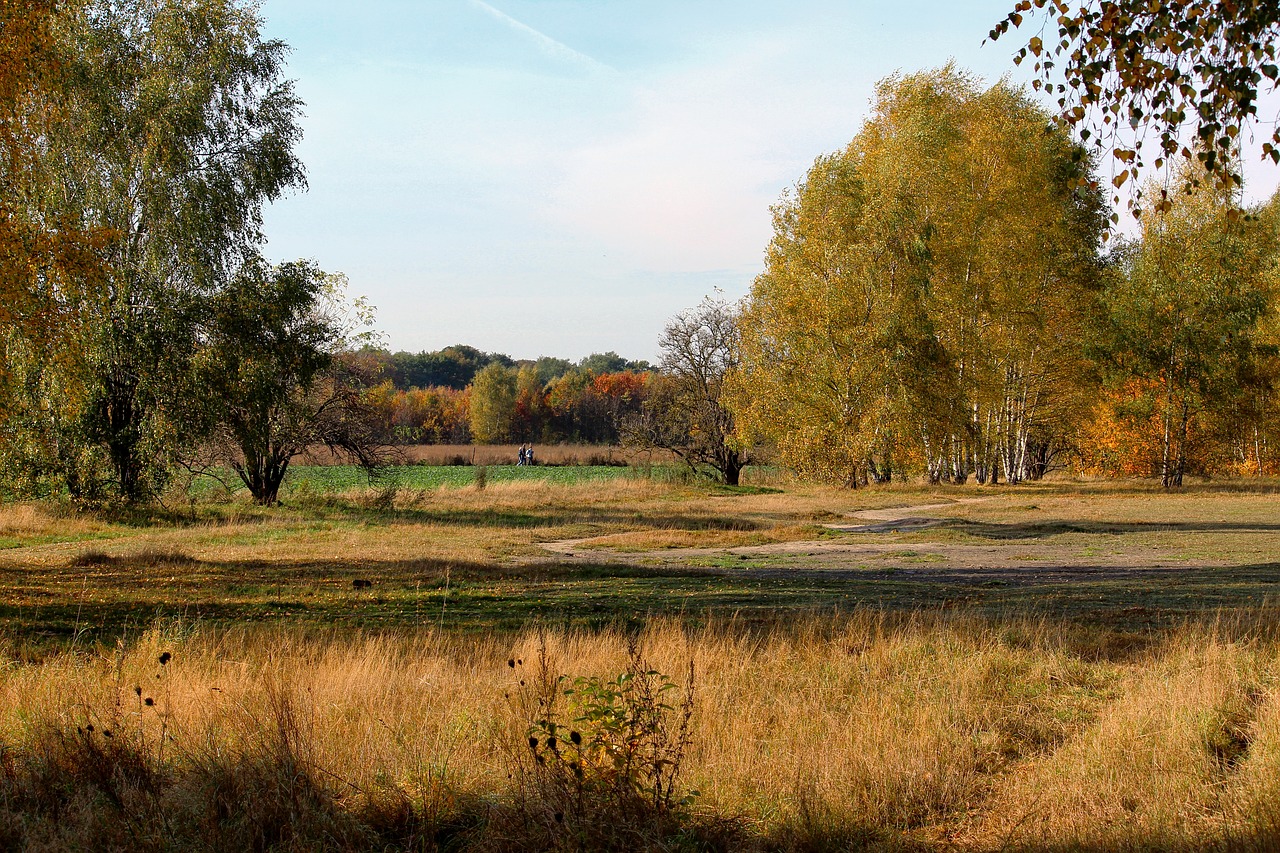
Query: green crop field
[(306, 480)]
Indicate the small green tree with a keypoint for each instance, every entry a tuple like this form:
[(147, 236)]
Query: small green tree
[(493, 404), (278, 385)]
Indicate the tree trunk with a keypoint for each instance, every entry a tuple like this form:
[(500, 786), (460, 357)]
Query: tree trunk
[(120, 414), (262, 473), (732, 469)]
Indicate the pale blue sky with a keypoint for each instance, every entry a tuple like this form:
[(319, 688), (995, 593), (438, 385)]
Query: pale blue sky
[(560, 177)]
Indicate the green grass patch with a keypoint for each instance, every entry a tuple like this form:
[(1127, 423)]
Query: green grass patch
[(303, 481), (475, 559)]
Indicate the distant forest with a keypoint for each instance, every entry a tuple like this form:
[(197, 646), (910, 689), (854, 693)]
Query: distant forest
[(456, 366), (460, 394)]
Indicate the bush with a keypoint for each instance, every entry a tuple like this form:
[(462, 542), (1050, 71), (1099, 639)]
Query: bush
[(601, 764)]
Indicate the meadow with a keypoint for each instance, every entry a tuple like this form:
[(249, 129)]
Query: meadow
[(612, 661)]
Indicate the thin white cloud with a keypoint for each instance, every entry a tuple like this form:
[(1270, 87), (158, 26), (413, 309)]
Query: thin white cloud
[(685, 179), (546, 43)]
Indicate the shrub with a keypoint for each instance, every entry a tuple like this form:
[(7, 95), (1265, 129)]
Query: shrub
[(601, 765)]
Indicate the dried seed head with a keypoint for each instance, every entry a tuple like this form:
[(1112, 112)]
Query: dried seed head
[(165, 657), (149, 701), (137, 689), (533, 742), (576, 737), (511, 662)]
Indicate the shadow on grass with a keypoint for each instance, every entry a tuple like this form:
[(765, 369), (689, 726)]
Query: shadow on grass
[(1049, 528), (98, 600), (340, 510)]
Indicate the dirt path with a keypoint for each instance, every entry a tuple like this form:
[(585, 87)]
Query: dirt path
[(901, 519), (873, 548)]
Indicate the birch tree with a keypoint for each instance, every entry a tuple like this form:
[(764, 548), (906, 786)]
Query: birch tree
[(925, 292), (1186, 322), (179, 126)]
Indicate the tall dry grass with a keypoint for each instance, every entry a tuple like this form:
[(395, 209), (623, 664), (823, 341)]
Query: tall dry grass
[(862, 732), (507, 454)]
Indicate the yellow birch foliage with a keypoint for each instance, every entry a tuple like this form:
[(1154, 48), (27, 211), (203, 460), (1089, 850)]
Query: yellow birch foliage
[(925, 290), (46, 257)]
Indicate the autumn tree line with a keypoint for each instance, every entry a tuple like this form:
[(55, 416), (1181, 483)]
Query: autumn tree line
[(941, 299), (948, 298), (460, 395)]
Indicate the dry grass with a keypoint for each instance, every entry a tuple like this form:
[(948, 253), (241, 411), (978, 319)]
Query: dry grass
[(920, 733), (895, 729), (653, 540), (35, 521), (506, 454)]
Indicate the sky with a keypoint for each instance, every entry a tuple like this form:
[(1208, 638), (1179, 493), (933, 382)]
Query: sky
[(561, 177)]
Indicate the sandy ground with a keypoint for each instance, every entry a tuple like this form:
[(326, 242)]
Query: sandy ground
[(874, 548)]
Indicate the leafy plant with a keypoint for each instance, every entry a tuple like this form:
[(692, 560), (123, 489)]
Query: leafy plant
[(604, 755)]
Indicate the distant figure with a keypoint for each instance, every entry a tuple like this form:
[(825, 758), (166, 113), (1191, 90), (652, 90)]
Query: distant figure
[(522, 456), (528, 456)]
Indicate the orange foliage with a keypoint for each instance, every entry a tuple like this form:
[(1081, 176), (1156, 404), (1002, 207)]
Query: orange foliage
[(433, 415), (620, 385), (1124, 434)]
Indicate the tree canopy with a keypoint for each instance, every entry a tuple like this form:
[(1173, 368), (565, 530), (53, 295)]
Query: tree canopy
[(275, 383), (1181, 343), (159, 129), (1121, 68), (922, 296)]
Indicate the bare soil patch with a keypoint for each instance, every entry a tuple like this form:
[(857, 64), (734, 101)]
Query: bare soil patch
[(972, 541)]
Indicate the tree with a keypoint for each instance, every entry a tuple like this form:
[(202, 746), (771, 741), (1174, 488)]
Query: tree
[(178, 127), (1182, 340), (274, 376), (531, 419), (435, 415), (452, 367), (493, 404), (47, 255), (610, 362), (1120, 68), (834, 335), (550, 368), (686, 412), (924, 294)]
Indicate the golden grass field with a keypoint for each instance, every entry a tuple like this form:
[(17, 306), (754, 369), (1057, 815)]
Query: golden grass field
[(1068, 666)]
